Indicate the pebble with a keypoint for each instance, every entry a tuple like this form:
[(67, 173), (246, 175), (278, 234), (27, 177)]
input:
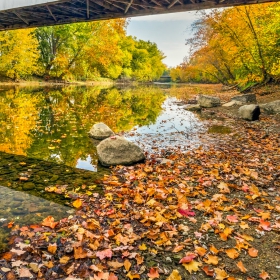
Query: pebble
[(168, 259)]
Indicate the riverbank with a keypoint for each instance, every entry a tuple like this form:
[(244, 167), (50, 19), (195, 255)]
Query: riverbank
[(209, 212)]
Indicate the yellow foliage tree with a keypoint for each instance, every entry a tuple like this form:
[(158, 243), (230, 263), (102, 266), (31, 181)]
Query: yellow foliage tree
[(18, 53)]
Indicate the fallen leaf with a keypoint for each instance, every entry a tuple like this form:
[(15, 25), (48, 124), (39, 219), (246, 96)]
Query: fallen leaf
[(80, 253), (25, 273), (253, 252), (64, 259), (127, 264), (208, 271), (220, 274), (174, 275), (77, 203), (142, 247), (115, 264), (153, 273), (232, 253), (192, 266), (264, 275), (188, 258), (201, 251), (211, 259), (241, 266), (52, 248), (132, 276), (49, 222), (107, 253)]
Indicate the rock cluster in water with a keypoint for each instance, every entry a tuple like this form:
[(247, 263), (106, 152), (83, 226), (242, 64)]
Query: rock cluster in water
[(114, 150), (249, 112)]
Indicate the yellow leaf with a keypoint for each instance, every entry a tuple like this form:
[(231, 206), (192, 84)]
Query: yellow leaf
[(139, 199), (192, 266), (174, 275), (211, 259), (220, 274), (127, 264), (132, 276), (64, 260), (77, 203), (52, 248), (142, 247)]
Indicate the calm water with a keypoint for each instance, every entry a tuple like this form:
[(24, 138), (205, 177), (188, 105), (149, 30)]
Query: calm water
[(44, 138)]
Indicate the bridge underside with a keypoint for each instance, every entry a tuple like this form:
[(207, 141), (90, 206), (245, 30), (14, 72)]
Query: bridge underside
[(69, 11)]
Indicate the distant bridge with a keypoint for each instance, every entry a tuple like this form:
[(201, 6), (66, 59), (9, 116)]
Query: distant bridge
[(15, 14)]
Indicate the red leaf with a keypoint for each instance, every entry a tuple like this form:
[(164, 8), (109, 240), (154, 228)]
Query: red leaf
[(186, 212), (153, 273), (232, 219), (188, 258)]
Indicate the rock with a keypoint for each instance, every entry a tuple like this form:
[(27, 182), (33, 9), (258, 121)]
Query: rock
[(249, 112), (245, 98), (232, 103), (100, 131), (193, 108), (191, 101), (271, 107), (28, 186), (118, 151), (208, 101)]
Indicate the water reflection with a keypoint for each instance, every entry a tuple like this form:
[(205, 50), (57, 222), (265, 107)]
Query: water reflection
[(25, 209), (52, 124)]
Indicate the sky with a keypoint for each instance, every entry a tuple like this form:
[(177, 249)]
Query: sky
[(168, 31)]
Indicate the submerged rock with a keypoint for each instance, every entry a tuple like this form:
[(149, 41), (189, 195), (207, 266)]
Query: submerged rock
[(245, 98), (208, 101), (117, 150), (271, 107), (28, 186), (100, 131), (249, 112)]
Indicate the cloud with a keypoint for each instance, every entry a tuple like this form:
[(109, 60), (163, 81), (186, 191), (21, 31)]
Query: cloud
[(182, 16)]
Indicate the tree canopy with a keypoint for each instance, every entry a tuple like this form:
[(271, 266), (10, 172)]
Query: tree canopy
[(238, 45), (81, 51)]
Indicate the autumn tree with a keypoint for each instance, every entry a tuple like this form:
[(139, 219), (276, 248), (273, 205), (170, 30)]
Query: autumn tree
[(18, 53), (236, 46)]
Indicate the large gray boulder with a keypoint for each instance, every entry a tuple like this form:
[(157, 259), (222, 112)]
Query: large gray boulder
[(249, 112), (271, 107), (245, 98), (208, 101), (100, 131), (117, 150)]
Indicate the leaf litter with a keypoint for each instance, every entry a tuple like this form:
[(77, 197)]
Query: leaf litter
[(208, 213)]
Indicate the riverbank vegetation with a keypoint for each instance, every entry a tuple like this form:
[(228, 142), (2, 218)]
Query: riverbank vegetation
[(82, 51), (236, 46)]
